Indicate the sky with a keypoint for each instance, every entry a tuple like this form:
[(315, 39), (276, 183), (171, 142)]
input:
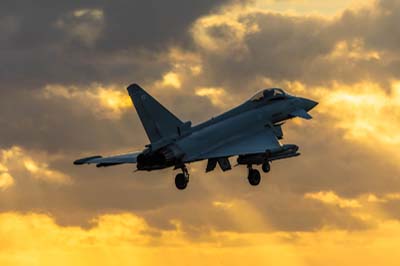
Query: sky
[(65, 66)]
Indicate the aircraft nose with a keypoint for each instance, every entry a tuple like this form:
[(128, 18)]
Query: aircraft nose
[(308, 104)]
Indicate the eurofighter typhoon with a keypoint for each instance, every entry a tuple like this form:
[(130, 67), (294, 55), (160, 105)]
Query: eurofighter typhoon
[(251, 131)]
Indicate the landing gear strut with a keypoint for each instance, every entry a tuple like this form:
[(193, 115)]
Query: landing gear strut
[(254, 176), (182, 179)]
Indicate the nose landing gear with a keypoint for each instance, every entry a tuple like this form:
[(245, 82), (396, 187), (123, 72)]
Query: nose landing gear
[(182, 179)]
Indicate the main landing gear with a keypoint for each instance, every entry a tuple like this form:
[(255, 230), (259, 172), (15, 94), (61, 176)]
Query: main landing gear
[(254, 176), (182, 179)]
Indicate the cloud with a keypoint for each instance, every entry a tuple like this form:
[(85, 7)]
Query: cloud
[(353, 50), (105, 102), (312, 7), (170, 79), (70, 118), (366, 112), (125, 238), (218, 96), (221, 204), (273, 209), (330, 197), (17, 163), (224, 33), (85, 42), (371, 113), (6, 180), (63, 95), (241, 45), (384, 198), (85, 25)]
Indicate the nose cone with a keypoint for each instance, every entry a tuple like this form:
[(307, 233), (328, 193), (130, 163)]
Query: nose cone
[(308, 104)]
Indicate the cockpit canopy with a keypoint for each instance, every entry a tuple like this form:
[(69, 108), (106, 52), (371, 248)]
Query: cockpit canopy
[(266, 94)]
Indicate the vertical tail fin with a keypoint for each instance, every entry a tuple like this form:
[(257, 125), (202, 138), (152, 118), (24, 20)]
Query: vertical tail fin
[(157, 121)]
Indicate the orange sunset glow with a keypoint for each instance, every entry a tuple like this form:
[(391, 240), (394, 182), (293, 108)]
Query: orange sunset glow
[(64, 72)]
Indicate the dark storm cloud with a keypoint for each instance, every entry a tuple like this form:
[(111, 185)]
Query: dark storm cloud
[(377, 26), (150, 23), (46, 42), (282, 49), (300, 48)]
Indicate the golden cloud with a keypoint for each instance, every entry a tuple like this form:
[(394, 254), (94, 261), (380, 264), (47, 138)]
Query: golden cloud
[(329, 197), (312, 7), (353, 50), (368, 113), (170, 79), (106, 102), (218, 96), (384, 198), (222, 204), (184, 66), (17, 162), (231, 30), (367, 207), (126, 239), (41, 171), (6, 180)]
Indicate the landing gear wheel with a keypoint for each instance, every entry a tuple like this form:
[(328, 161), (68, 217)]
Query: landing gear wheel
[(254, 177), (181, 181), (266, 167)]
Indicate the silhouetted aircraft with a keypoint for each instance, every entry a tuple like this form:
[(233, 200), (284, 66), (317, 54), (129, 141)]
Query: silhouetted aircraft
[(250, 131)]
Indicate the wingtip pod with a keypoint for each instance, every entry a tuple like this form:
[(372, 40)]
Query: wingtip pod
[(86, 160)]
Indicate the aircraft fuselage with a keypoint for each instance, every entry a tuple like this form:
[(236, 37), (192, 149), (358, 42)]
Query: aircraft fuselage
[(240, 122)]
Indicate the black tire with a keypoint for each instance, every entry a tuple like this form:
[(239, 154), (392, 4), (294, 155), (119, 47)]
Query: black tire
[(266, 167), (181, 181), (254, 177)]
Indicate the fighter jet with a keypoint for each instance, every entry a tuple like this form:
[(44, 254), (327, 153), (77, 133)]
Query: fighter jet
[(251, 132)]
